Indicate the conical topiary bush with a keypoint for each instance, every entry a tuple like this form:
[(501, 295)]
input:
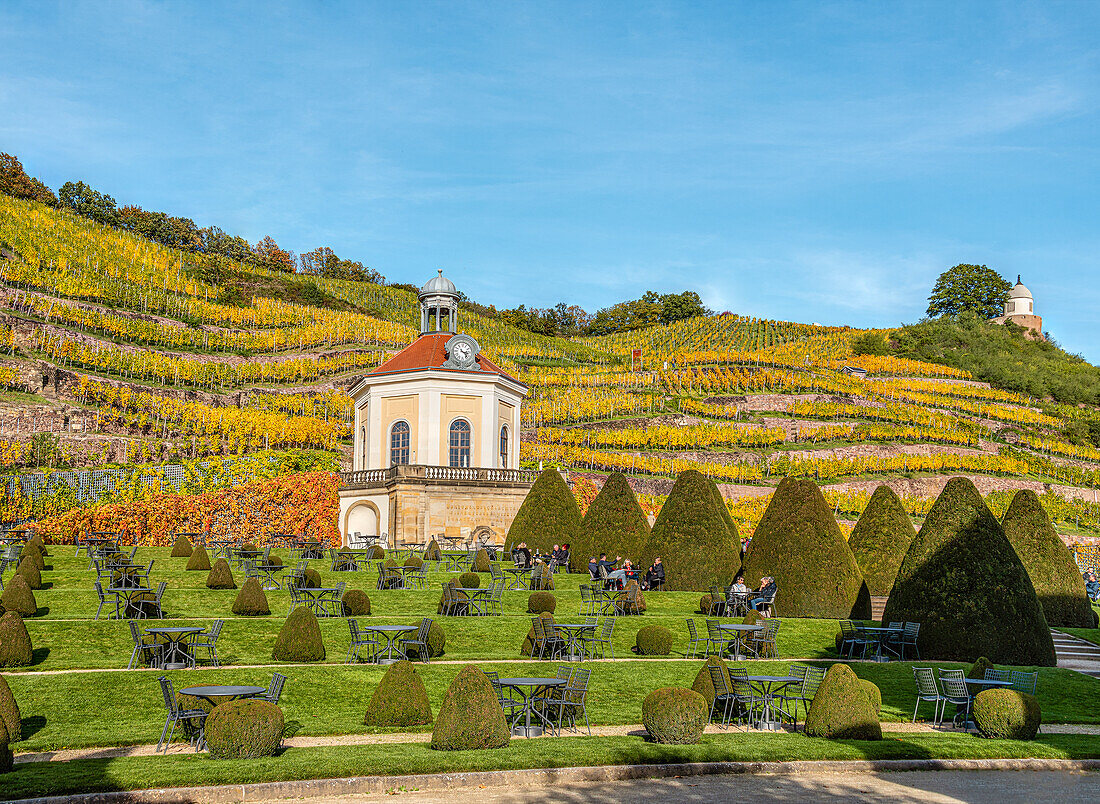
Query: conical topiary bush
[(182, 547), (549, 515), (799, 543), (15, 642), (37, 543), (703, 683), (30, 573), (1049, 563), (841, 708), (692, 538), (400, 699), (963, 582), (299, 639), (199, 560), (481, 561), (19, 598), (880, 539), (220, 577), (9, 712), (470, 716), (614, 524), (432, 551), (251, 600)]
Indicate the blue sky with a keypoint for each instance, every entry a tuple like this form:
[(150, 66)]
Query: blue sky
[(805, 161)]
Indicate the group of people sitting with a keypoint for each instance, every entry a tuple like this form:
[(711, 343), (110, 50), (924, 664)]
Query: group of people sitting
[(762, 596), (1092, 586), (605, 570), (525, 559)]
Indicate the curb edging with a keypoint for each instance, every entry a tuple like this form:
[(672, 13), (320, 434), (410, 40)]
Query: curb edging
[(311, 788)]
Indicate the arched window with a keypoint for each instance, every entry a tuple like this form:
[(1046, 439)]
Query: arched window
[(399, 444), (460, 443), (504, 447)]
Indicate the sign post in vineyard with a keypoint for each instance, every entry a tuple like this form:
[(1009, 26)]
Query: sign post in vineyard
[(635, 354)]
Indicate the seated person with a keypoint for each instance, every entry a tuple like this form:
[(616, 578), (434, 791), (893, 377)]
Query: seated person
[(564, 555), (739, 586), (1092, 585), (655, 575), (764, 593), (593, 569), (521, 555), (608, 567), (622, 575)]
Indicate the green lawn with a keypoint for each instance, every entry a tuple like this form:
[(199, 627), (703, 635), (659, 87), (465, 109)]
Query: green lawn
[(94, 705)]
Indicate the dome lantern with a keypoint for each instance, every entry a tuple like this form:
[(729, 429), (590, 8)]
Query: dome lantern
[(438, 305)]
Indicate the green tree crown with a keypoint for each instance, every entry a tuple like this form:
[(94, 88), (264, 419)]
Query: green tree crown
[(976, 288)]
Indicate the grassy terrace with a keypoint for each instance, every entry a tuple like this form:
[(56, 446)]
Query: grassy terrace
[(93, 704)]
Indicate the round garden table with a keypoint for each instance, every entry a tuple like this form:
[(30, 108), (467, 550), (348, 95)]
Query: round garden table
[(208, 692), (475, 598), (769, 685), (270, 574), (573, 632), (125, 596), (177, 653), (527, 688), (739, 629), (517, 573), (390, 632), (879, 634)]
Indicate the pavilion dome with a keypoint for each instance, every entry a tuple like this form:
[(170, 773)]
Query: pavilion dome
[(1019, 291), (439, 285)]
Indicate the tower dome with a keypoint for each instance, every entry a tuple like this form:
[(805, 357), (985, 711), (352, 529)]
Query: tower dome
[(438, 305), (1020, 300)]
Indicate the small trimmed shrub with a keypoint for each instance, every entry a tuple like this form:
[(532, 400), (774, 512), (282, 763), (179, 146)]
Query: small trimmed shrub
[(638, 607), (309, 579), (244, 729), (1007, 714), (356, 603), (549, 515), (15, 641), (481, 561), (977, 670), (19, 598), (469, 580), (753, 617), (470, 716), (437, 642), (842, 709), (251, 600), (414, 562), (457, 593), (220, 577), (7, 759), (539, 602), (705, 602), (182, 547), (653, 640), (529, 642), (199, 560), (675, 716), (274, 561), (703, 683), (375, 552), (400, 699), (32, 557), (299, 639), (874, 694), (249, 546), (9, 712), (432, 551), (31, 573)]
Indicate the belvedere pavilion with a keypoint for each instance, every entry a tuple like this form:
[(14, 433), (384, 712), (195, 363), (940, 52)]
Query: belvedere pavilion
[(436, 439)]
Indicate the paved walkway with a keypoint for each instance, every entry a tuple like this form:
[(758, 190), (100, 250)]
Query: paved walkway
[(1076, 654), (926, 787)]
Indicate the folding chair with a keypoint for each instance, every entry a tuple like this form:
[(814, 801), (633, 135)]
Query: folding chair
[(177, 715)]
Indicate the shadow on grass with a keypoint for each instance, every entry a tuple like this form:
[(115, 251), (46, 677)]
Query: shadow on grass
[(39, 655), (291, 728), (42, 611), (32, 725)]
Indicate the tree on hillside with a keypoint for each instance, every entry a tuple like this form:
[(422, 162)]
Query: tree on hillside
[(83, 200), (976, 288), (14, 181), (267, 252), (323, 261)]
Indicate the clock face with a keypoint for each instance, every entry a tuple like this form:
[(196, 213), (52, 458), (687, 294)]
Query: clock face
[(462, 352)]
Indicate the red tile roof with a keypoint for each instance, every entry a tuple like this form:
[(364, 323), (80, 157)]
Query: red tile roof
[(427, 352)]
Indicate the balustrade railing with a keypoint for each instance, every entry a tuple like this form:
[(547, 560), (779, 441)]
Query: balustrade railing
[(381, 477)]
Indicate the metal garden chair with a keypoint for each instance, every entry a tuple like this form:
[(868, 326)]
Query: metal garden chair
[(927, 691), (600, 640), (909, 639), (419, 642), (993, 674), (150, 652), (955, 692), (360, 640), (274, 689), (694, 640), (723, 697), (176, 715), (209, 641), (1023, 681), (747, 699), (103, 602)]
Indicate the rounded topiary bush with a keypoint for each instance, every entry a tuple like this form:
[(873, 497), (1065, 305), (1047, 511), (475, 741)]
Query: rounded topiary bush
[(414, 562), (356, 603), (437, 642), (548, 515), (539, 602), (309, 579), (1007, 714), (199, 560), (274, 561), (375, 553), (692, 537), (469, 580), (471, 716), (32, 557), (299, 639), (31, 573), (977, 670), (614, 524), (626, 606), (703, 683), (799, 543), (481, 561), (182, 547), (1048, 561), (19, 598), (842, 709), (249, 547), (963, 582), (874, 694), (400, 699), (37, 543), (675, 716), (15, 641), (7, 759), (220, 577), (251, 600), (432, 551), (9, 712), (529, 642), (653, 640), (753, 617), (244, 729), (880, 540)]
